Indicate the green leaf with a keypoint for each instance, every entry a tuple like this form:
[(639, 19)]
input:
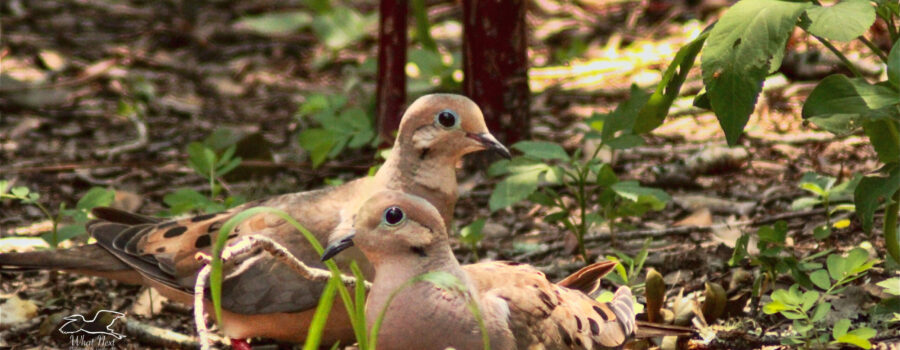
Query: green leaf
[(739, 54), (276, 23), (95, 197), (821, 311), (471, 234), (884, 135), (633, 191), (817, 184), (854, 339), (625, 142), (654, 112), (837, 267), (499, 167), (893, 65), (4, 186), (891, 285), (774, 307), (318, 142), (64, 233), (20, 191), (808, 300), (740, 250), (793, 315), (820, 279), (338, 29), (513, 189), (805, 202), (843, 21), (872, 190), (839, 104), (320, 318), (542, 150), (840, 328), (184, 200), (822, 232)]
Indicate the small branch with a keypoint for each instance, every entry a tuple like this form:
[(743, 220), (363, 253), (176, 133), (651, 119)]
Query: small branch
[(840, 55), (161, 337), (141, 141), (874, 49)]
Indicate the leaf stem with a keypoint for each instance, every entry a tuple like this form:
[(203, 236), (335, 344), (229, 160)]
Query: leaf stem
[(883, 56), (840, 55), (891, 234)]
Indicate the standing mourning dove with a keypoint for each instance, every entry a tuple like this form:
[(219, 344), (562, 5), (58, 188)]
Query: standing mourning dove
[(261, 296), (404, 237)]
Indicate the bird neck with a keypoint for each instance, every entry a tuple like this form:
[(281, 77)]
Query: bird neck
[(393, 272), (432, 176)]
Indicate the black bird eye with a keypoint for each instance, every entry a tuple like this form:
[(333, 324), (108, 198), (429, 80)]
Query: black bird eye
[(447, 118), (393, 216)]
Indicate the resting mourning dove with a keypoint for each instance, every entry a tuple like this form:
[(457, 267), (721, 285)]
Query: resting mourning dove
[(263, 297), (404, 237)]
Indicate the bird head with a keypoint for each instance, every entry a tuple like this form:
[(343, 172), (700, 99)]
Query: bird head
[(446, 125), (392, 223)]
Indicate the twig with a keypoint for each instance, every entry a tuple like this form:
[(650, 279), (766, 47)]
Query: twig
[(161, 337), (245, 245), (674, 231), (130, 146)]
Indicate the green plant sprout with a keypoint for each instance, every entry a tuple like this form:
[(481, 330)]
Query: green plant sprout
[(472, 233), (629, 268), (95, 197), (808, 309), (826, 193), (341, 127), (212, 166)]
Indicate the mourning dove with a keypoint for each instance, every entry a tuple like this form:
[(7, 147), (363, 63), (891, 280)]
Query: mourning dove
[(404, 237), (262, 297)]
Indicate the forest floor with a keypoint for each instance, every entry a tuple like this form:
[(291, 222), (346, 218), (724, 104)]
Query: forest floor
[(68, 68)]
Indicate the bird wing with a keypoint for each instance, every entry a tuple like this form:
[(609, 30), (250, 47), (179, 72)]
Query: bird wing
[(165, 250), (541, 312)]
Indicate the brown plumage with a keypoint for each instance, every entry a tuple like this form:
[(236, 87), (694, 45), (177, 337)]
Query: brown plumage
[(261, 297), (404, 237)]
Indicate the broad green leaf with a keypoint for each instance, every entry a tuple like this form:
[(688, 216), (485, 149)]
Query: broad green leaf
[(318, 142), (840, 328), (542, 150), (839, 104), (276, 23), (837, 266), (499, 167), (893, 65), (843, 21), (657, 107), (891, 285), (96, 197), (65, 233), (625, 142), (513, 189), (854, 339), (884, 134), (863, 332), (820, 279), (4, 186), (20, 191), (856, 258), (740, 52), (872, 191), (633, 191), (816, 184)]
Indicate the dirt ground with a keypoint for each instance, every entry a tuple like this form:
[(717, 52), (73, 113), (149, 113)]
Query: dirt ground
[(69, 65)]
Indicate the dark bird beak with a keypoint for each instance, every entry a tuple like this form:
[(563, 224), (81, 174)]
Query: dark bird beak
[(336, 247), (490, 143)]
